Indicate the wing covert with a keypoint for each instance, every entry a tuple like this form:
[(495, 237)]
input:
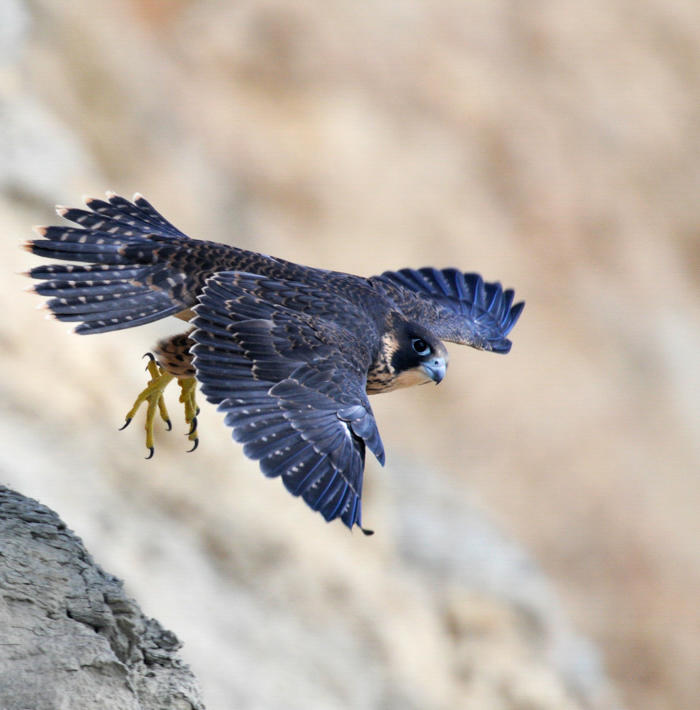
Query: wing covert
[(293, 398)]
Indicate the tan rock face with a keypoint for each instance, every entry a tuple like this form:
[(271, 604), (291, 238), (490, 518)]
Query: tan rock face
[(551, 147)]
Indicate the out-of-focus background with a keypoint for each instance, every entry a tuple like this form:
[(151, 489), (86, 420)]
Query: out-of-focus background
[(537, 523)]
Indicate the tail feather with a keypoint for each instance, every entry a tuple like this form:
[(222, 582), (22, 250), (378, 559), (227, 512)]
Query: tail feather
[(118, 321), (75, 234), (113, 303), (154, 217), (106, 225), (81, 273), (139, 214), (114, 312), (127, 279), (91, 249), (75, 290)]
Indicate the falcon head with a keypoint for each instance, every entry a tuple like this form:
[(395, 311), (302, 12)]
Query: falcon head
[(409, 354)]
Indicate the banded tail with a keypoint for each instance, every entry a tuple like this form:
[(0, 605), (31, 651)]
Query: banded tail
[(130, 265)]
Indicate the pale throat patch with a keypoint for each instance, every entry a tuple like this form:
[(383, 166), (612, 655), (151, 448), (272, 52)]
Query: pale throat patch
[(409, 378)]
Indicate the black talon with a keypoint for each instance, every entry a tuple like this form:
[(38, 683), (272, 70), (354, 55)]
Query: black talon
[(152, 451), (194, 446), (367, 531), (125, 425), (197, 412), (169, 424), (193, 428), (150, 356)]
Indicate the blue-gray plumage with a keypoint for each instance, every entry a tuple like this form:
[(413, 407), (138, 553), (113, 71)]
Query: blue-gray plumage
[(289, 353)]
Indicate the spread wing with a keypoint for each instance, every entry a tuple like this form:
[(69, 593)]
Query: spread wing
[(292, 387), (457, 307)]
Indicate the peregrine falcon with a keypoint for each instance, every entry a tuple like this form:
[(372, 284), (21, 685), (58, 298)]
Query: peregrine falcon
[(289, 353)]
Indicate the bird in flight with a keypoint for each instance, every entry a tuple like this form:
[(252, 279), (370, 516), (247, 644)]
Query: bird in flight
[(289, 353)]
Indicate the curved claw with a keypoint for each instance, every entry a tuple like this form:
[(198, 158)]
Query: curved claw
[(194, 446), (367, 531), (125, 424), (153, 396)]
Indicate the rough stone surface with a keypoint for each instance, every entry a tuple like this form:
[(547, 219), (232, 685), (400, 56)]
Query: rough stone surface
[(71, 637)]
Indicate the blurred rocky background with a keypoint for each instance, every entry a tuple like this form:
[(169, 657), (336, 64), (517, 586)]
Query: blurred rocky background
[(537, 523)]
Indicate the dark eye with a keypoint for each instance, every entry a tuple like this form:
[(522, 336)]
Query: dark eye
[(420, 346)]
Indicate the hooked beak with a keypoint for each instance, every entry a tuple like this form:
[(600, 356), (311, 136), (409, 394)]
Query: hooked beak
[(435, 368)]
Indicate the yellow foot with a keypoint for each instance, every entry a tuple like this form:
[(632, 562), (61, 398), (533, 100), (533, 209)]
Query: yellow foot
[(153, 395)]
